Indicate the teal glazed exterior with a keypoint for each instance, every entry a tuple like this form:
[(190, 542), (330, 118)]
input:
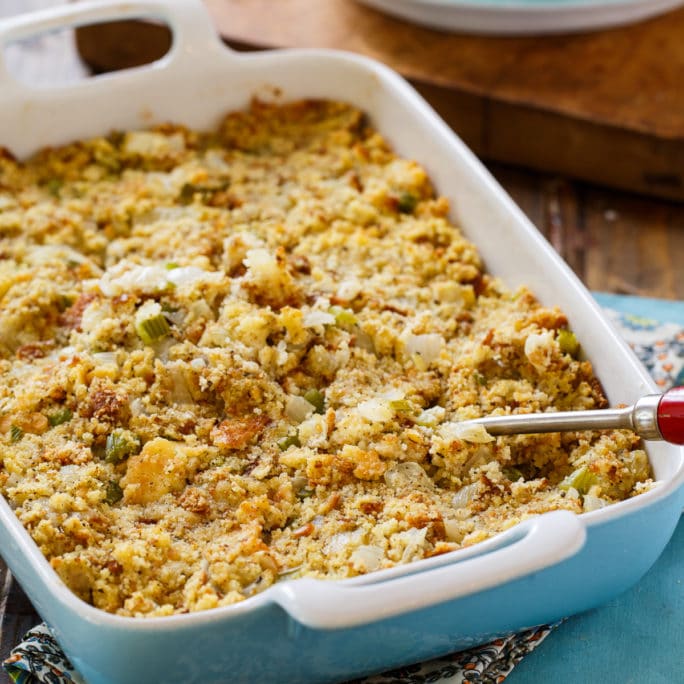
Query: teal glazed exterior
[(306, 630)]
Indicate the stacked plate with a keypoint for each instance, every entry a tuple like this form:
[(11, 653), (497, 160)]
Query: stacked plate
[(520, 17)]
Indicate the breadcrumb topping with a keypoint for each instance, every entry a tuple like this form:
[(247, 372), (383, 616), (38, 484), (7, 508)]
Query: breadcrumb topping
[(234, 358)]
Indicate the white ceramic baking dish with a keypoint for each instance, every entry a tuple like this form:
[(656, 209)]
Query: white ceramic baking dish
[(308, 630)]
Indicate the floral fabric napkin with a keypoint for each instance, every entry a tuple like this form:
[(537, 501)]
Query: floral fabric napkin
[(653, 328)]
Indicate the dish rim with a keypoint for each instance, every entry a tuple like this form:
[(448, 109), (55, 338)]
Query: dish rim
[(56, 586)]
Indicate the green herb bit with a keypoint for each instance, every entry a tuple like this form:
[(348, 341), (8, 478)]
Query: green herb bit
[(152, 329), (54, 185), (343, 316), (113, 492), (316, 399), (286, 442), (107, 157), (64, 302), (480, 379), (407, 202), (568, 342), (512, 473), (16, 433), (120, 445), (582, 480), (187, 193), (217, 462), (206, 192), (171, 265), (305, 493), (401, 405), (59, 417)]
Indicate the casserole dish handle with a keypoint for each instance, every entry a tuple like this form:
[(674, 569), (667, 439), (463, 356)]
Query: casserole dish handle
[(546, 540), (190, 24)]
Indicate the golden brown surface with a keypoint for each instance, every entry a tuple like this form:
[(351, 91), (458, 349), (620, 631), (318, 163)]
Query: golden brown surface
[(324, 328)]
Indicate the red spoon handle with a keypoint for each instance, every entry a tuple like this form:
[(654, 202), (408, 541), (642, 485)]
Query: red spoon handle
[(671, 415)]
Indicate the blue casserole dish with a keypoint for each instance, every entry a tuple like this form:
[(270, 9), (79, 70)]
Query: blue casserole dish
[(308, 630)]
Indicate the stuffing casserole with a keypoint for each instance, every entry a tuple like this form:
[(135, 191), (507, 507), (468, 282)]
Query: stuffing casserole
[(240, 357)]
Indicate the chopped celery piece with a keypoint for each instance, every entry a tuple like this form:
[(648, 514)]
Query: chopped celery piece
[(113, 492), (419, 362), (187, 193), (170, 265), (568, 342), (286, 442), (59, 417), (401, 405), (407, 202), (581, 480), (512, 473), (120, 445), (16, 433), (316, 399), (343, 316), (480, 379), (152, 329), (53, 186)]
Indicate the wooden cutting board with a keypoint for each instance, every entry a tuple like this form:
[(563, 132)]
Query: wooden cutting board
[(606, 106)]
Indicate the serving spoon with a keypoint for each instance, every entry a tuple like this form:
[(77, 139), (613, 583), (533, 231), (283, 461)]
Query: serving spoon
[(654, 416)]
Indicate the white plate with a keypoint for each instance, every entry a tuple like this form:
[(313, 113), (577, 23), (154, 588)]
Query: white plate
[(521, 17)]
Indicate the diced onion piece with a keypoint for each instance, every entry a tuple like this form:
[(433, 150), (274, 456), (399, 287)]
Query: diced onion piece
[(145, 279), (297, 408), (428, 346), (105, 358), (538, 349), (312, 319), (343, 541), (153, 279), (150, 323), (452, 529), (475, 433), (348, 290), (367, 558), (431, 417), (464, 496), (415, 541), (190, 275), (375, 410), (592, 503), (407, 474)]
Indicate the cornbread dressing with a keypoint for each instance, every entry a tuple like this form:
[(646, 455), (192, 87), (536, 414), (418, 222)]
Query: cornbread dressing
[(236, 358)]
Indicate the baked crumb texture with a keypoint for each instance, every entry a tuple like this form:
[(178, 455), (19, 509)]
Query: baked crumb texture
[(236, 358)]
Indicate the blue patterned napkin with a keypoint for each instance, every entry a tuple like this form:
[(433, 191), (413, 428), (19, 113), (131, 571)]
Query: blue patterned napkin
[(653, 328)]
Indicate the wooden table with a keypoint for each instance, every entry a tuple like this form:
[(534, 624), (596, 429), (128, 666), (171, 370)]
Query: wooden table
[(615, 241)]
